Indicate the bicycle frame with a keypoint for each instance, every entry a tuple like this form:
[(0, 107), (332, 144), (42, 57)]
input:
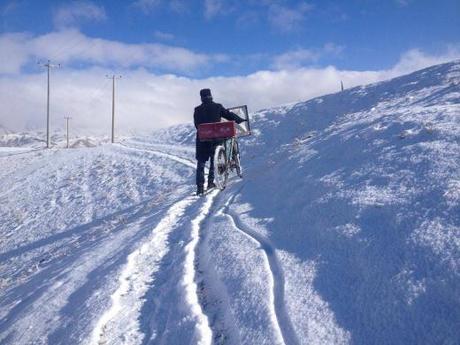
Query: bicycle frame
[(226, 159), (227, 154)]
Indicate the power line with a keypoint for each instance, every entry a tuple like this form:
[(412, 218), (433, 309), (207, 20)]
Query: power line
[(113, 77)]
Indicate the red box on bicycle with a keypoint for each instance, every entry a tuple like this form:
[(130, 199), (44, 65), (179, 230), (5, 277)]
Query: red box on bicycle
[(216, 130)]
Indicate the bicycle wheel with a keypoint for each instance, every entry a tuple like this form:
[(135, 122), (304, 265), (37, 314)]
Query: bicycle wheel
[(220, 167), (237, 160)]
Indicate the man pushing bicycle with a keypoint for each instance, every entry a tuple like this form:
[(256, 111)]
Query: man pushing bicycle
[(208, 112)]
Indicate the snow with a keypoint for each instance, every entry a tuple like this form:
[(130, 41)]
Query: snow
[(116, 326), (344, 230)]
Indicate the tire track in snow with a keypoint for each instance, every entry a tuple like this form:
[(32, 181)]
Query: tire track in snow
[(213, 294), (178, 159), (281, 315), (205, 334), (120, 323), (190, 275), (137, 275), (184, 161), (193, 260), (179, 150)]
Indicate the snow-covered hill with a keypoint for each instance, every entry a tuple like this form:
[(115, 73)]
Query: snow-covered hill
[(362, 190), (344, 230)]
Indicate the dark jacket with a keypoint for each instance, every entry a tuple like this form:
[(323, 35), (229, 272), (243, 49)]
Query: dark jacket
[(208, 112)]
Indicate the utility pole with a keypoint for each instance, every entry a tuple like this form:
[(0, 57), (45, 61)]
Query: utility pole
[(113, 77), (67, 118), (48, 65)]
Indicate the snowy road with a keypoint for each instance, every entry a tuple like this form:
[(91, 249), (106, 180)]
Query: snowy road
[(56, 281), (132, 276), (120, 324), (279, 318)]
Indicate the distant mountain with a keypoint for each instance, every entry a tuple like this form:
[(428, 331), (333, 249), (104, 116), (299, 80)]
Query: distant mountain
[(18, 139)]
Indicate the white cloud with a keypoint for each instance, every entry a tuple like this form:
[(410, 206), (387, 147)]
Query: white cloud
[(301, 57), (71, 14), (71, 46), (332, 48), (295, 58), (415, 59), (13, 52), (146, 100), (213, 7), (286, 18)]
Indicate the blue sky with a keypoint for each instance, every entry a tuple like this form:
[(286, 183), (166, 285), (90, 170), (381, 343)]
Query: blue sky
[(261, 53), (360, 34)]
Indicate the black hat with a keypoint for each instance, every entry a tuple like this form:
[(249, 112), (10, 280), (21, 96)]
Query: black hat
[(205, 94)]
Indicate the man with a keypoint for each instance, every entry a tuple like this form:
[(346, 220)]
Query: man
[(208, 112)]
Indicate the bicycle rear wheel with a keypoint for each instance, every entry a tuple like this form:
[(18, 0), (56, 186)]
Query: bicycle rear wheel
[(220, 167)]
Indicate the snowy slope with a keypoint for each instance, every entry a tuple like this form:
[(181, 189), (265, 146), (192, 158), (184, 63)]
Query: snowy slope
[(361, 189), (344, 230)]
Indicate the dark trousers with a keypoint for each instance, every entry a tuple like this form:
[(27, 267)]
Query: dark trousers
[(200, 171)]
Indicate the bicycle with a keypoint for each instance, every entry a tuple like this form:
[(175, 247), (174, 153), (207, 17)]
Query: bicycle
[(227, 152), (227, 158)]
